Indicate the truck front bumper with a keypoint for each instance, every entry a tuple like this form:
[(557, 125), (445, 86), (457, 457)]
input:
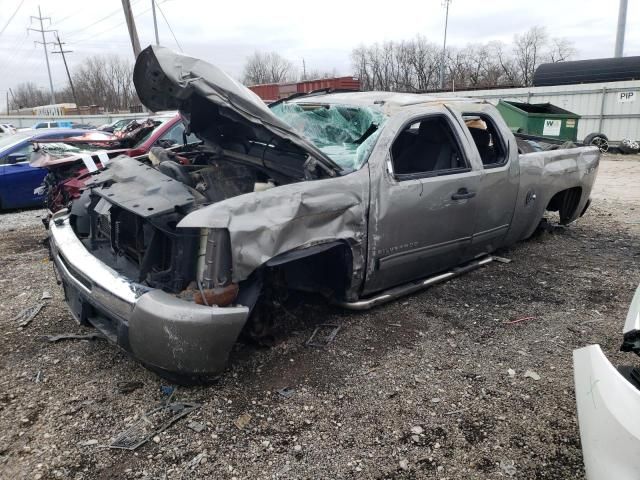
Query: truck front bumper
[(169, 335)]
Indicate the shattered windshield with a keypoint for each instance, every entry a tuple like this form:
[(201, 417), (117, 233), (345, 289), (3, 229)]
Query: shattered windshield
[(345, 133)]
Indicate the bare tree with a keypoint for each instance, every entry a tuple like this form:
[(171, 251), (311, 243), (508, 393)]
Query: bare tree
[(106, 81), (28, 94), (413, 65), (561, 49), (267, 68), (528, 51)]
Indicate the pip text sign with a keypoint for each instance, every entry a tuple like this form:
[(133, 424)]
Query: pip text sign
[(626, 97)]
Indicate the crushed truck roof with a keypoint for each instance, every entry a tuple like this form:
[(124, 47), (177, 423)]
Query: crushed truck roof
[(388, 100)]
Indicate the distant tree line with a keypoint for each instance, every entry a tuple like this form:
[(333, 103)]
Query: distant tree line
[(106, 81), (414, 65), (271, 67), (403, 66)]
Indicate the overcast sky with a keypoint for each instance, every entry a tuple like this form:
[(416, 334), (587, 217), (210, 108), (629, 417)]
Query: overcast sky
[(225, 32)]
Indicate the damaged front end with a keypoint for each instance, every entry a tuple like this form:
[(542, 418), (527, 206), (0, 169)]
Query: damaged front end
[(608, 401), (166, 254)]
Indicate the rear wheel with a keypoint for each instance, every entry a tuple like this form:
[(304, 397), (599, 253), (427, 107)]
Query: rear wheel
[(599, 140)]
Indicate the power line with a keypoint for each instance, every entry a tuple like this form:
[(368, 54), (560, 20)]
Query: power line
[(11, 17), (119, 24), (115, 12), (71, 15), (168, 25)]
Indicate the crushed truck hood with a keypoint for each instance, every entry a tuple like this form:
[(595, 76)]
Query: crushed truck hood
[(210, 100)]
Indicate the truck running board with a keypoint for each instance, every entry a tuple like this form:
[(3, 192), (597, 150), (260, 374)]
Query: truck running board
[(412, 287)]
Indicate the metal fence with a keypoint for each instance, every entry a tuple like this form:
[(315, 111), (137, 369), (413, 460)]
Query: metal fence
[(610, 108), (20, 121)]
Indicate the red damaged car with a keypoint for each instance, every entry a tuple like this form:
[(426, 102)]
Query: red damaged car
[(70, 161)]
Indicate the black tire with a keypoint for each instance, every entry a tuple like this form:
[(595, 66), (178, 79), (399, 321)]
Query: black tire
[(599, 140), (625, 149)]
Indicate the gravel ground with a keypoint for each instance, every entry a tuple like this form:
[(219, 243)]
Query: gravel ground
[(419, 388)]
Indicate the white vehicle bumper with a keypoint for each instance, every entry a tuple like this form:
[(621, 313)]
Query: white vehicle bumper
[(609, 417)]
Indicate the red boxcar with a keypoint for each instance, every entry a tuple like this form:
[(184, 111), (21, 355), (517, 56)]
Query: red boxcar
[(275, 91)]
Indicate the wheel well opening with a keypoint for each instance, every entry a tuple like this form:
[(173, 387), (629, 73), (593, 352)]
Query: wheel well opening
[(327, 272), (565, 203)]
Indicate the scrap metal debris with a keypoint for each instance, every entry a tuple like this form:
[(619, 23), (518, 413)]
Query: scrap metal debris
[(151, 423), (501, 259), (242, 421), (196, 426), (128, 387), (195, 461), (25, 317), (518, 320), (508, 467), (287, 392), (531, 374), (46, 295), (167, 390), (322, 341), (73, 336)]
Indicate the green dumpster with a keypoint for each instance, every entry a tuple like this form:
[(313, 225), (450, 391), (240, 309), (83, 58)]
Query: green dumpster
[(541, 119)]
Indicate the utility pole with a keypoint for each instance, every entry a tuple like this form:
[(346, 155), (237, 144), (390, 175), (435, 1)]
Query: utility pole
[(445, 3), (7, 102), (64, 59), (622, 22), (155, 24), (304, 70), (44, 45), (131, 25)]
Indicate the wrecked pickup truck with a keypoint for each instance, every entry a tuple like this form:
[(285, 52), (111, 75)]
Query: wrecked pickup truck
[(362, 197)]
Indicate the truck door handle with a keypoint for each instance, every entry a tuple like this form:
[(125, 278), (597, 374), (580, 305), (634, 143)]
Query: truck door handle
[(463, 194)]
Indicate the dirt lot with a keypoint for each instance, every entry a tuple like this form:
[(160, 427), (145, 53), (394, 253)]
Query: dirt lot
[(419, 388)]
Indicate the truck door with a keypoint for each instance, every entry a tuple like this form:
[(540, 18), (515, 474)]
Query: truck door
[(424, 202), (498, 189)]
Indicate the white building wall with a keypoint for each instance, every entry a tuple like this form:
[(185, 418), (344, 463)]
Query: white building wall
[(617, 117)]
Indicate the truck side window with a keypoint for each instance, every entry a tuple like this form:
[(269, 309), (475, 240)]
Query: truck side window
[(426, 148), (487, 140)]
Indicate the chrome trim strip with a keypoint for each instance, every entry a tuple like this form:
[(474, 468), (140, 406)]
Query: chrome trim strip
[(409, 288), (65, 243)]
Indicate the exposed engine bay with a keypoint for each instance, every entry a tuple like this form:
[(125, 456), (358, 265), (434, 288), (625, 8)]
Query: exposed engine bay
[(129, 212)]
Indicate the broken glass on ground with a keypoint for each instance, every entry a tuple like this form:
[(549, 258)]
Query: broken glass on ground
[(25, 317), (323, 335), (151, 424)]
